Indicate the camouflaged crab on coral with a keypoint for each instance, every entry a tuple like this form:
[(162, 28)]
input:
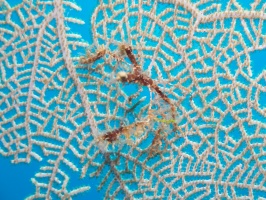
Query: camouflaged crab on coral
[(146, 124)]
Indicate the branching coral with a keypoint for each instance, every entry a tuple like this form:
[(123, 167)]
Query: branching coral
[(68, 114)]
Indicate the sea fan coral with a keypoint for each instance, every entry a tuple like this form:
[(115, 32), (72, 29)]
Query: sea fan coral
[(66, 108)]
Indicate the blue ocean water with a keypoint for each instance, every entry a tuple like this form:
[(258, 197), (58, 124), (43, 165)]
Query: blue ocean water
[(18, 176), (15, 180)]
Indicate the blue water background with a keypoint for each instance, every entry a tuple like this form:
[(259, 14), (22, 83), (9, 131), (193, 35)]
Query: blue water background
[(15, 181)]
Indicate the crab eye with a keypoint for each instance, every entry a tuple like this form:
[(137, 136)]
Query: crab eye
[(121, 76)]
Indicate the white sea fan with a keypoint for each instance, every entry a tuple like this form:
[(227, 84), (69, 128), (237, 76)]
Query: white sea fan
[(198, 52)]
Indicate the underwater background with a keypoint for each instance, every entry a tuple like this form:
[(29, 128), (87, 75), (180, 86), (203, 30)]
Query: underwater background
[(15, 179), (212, 69)]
